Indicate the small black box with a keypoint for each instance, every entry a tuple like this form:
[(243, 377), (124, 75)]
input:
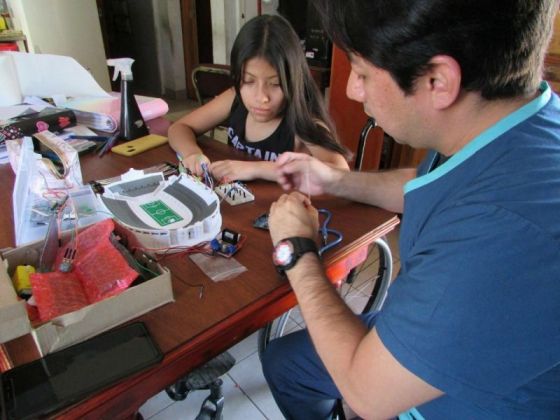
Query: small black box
[(52, 119)]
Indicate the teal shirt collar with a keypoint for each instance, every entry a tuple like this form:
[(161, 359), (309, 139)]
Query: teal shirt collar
[(485, 138)]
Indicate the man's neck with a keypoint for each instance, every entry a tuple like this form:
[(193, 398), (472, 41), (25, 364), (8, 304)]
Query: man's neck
[(471, 116)]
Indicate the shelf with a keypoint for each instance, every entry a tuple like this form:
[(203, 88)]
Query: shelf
[(14, 36)]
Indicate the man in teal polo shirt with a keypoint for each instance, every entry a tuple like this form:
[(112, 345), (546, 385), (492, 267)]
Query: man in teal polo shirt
[(471, 325)]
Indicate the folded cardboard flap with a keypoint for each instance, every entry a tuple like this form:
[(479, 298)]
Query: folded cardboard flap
[(87, 322), (74, 327)]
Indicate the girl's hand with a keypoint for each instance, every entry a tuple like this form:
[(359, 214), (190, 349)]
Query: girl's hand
[(194, 163), (233, 170), (293, 215)]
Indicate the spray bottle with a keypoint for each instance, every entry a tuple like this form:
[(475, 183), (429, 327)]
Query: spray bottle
[(132, 125)]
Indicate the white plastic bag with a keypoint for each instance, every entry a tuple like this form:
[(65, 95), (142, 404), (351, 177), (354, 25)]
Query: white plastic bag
[(39, 185)]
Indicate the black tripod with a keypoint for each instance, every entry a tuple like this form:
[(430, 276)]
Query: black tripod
[(205, 377)]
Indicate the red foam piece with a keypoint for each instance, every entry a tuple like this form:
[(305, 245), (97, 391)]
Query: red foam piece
[(99, 271)]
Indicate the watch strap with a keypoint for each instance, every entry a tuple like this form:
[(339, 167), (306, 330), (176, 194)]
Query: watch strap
[(301, 246)]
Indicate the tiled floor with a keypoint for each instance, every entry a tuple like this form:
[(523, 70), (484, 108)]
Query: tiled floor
[(245, 390), (246, 393)]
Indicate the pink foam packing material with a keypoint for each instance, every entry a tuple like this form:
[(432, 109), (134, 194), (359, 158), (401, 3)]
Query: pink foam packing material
[(99, 271)]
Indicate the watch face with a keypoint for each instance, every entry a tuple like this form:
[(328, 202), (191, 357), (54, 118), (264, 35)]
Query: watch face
[(283, 253)]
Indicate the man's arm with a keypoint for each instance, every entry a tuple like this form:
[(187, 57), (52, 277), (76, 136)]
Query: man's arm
[(382, 189), (309, 175), (370, 379)]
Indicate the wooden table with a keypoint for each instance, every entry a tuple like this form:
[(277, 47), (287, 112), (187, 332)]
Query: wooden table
[(192, 330)]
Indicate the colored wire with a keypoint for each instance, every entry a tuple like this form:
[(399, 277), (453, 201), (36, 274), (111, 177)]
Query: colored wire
[(326, 231), (199, 286), (206, 176)]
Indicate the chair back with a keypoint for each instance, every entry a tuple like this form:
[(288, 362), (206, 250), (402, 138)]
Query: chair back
[(210, 80)]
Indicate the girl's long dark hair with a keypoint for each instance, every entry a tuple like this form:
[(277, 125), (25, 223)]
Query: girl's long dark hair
[(272, 38)]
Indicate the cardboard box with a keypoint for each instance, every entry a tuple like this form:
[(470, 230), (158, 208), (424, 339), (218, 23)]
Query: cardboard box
[(73, 327)]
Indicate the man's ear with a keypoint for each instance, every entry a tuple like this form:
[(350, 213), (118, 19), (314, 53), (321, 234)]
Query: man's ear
[(443, 81)]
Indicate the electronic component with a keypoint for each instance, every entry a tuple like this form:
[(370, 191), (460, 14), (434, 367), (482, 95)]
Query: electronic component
[(67, 261), (227, 244), (234, 193), (230, 236), (21, 280), (261, 222)]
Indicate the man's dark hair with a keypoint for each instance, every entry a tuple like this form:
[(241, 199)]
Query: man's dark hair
[(272, 38), (499, 44)]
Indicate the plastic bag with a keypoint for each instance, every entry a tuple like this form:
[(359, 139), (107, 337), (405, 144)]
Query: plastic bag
[(37, 187), (218, 268)]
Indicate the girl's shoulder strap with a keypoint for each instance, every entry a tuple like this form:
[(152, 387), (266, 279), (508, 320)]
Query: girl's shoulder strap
[(237, 103)]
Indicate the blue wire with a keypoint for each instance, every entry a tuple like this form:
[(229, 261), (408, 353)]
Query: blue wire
[(325, 232)]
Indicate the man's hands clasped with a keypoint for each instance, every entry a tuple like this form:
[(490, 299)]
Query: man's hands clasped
[(293, 215)]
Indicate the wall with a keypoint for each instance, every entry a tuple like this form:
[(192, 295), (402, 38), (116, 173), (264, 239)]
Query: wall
[(228, 16), (64, 27), (169, 40), (269, 7), (219, 46)]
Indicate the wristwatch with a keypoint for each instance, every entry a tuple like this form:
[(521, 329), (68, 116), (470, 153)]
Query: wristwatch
[(288, 251)]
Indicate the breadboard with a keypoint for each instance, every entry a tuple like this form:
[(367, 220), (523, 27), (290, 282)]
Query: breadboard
[(234, 193)]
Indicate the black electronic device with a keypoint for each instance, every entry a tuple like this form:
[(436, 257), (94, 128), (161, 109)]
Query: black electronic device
[(306, 21), (261, 222), (68, 375), (230, 236), (318, 46)]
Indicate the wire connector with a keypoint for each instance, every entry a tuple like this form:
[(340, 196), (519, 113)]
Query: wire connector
[(68, 260)]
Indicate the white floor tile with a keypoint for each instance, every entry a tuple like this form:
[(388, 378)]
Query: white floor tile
[(295, 317), (248, 375), (244, 348), (155, 404)]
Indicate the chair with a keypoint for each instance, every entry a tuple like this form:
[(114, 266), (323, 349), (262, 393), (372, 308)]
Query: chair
[(206, 376), (209, 80), (385, 271), (370, 123)]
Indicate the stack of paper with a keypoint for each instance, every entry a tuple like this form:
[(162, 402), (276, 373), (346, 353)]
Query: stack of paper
[(69, 85), (104, 113)]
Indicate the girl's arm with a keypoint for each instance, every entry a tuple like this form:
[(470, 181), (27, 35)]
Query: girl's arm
[(238, 170), (230, 170), (330, 157), (183, 133)]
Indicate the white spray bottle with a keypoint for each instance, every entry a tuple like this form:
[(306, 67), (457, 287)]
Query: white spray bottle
[(132, 125)]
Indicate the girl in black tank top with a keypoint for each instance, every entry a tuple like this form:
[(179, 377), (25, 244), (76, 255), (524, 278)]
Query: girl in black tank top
[(273, 107)]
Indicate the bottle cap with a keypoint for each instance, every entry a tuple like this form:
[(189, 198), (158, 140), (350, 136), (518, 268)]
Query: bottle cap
[(123, 66)]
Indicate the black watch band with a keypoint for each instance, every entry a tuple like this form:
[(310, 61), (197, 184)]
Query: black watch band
[(288, 251)]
